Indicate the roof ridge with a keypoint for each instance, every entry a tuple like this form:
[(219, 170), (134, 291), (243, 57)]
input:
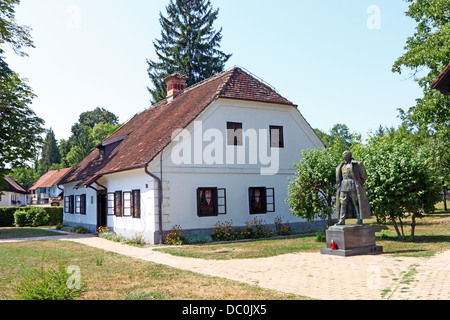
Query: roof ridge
[(212, 78)]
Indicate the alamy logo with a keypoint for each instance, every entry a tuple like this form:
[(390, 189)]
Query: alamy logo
[(213, 147)]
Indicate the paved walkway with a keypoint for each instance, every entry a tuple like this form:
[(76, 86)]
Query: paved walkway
[(368, 277)]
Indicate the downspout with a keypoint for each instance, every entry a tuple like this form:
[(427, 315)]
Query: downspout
[(160, 196)]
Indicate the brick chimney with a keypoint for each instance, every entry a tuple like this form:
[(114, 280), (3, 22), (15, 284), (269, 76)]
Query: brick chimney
[(176, 83)]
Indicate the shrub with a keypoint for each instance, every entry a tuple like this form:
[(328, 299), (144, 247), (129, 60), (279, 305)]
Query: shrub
[(7, 216), (47, 284), (257, 229), (223, 231), (20, 218), (37, 217), (321, 237), (197, 238), (76, 229), (55, 215), (175, 236), (137, 239), (281, 228)]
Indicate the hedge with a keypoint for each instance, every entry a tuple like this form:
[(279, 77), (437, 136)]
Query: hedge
[(7, 215)]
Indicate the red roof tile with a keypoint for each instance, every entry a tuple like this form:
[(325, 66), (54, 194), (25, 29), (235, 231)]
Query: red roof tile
[(13, 185), (49, 179), (148, 132), (441, 83)]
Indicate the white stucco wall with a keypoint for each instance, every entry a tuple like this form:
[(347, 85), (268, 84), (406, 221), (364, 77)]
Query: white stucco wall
[(128, 181), (90, 218), (182, 180), (7, 198), (206, 162)]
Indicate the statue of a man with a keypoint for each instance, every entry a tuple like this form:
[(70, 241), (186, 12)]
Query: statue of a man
[(351, 199)]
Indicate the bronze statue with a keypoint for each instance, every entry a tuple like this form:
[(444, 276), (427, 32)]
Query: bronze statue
[(351, 199)]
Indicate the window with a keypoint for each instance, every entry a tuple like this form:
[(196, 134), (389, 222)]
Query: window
[(68, 204), (261, 200), (80, 204), (118, 203), (136, 203), (234, 133), (126, 198), (110, 200), (276, 137), (211, 202)]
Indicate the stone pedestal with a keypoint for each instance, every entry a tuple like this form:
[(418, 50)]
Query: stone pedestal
[(351, 240)]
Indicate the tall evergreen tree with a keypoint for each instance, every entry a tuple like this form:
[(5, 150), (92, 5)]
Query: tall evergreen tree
[(50, 153), (188, 45)]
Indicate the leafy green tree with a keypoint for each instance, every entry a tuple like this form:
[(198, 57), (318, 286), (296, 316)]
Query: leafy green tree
[(20, 128), (96, 116), (25, 176), (400, 181), (50, 153), (90, 130), (188, 45), (427, 53), (312, 191), (101, 131), (339, 137), (11, 33)]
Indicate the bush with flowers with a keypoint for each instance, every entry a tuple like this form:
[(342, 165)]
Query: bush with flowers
[(282, 229), (175, 236), (223, 231)]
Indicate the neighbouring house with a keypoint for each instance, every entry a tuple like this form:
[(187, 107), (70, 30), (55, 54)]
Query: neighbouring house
[(220, 150), (46, 190), (442, 82), (13, 195)]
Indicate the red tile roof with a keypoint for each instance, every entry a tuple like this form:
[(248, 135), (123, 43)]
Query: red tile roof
[(148, 132), (13, 185), (49, 179), (441, 83)]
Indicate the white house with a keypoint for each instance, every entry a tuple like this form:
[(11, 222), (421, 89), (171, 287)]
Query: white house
[(13, 195), (221, 150)]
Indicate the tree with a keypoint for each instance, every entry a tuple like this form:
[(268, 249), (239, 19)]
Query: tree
[(15, 35), (90, 130), (312, 191), (188, 45), (25, 176), (20, 128), (96, 116), (102, 130), (428, 50), (339, 136), (50, 153), (400, 179)]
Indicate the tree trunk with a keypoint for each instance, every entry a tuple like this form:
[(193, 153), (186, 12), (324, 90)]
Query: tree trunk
[(413, 225), (445, 195), (391, 215), (401, 226)]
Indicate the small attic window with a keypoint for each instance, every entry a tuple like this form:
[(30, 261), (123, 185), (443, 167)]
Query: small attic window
[(107, 147)]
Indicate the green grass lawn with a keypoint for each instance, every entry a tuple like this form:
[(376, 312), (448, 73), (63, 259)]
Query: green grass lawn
[(109, 276), (432, 235)]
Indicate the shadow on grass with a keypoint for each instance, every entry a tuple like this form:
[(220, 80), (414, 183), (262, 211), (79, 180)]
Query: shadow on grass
[(417, 239), (25, 232)]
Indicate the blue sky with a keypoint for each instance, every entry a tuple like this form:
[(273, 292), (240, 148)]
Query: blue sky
[(321, 55)]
